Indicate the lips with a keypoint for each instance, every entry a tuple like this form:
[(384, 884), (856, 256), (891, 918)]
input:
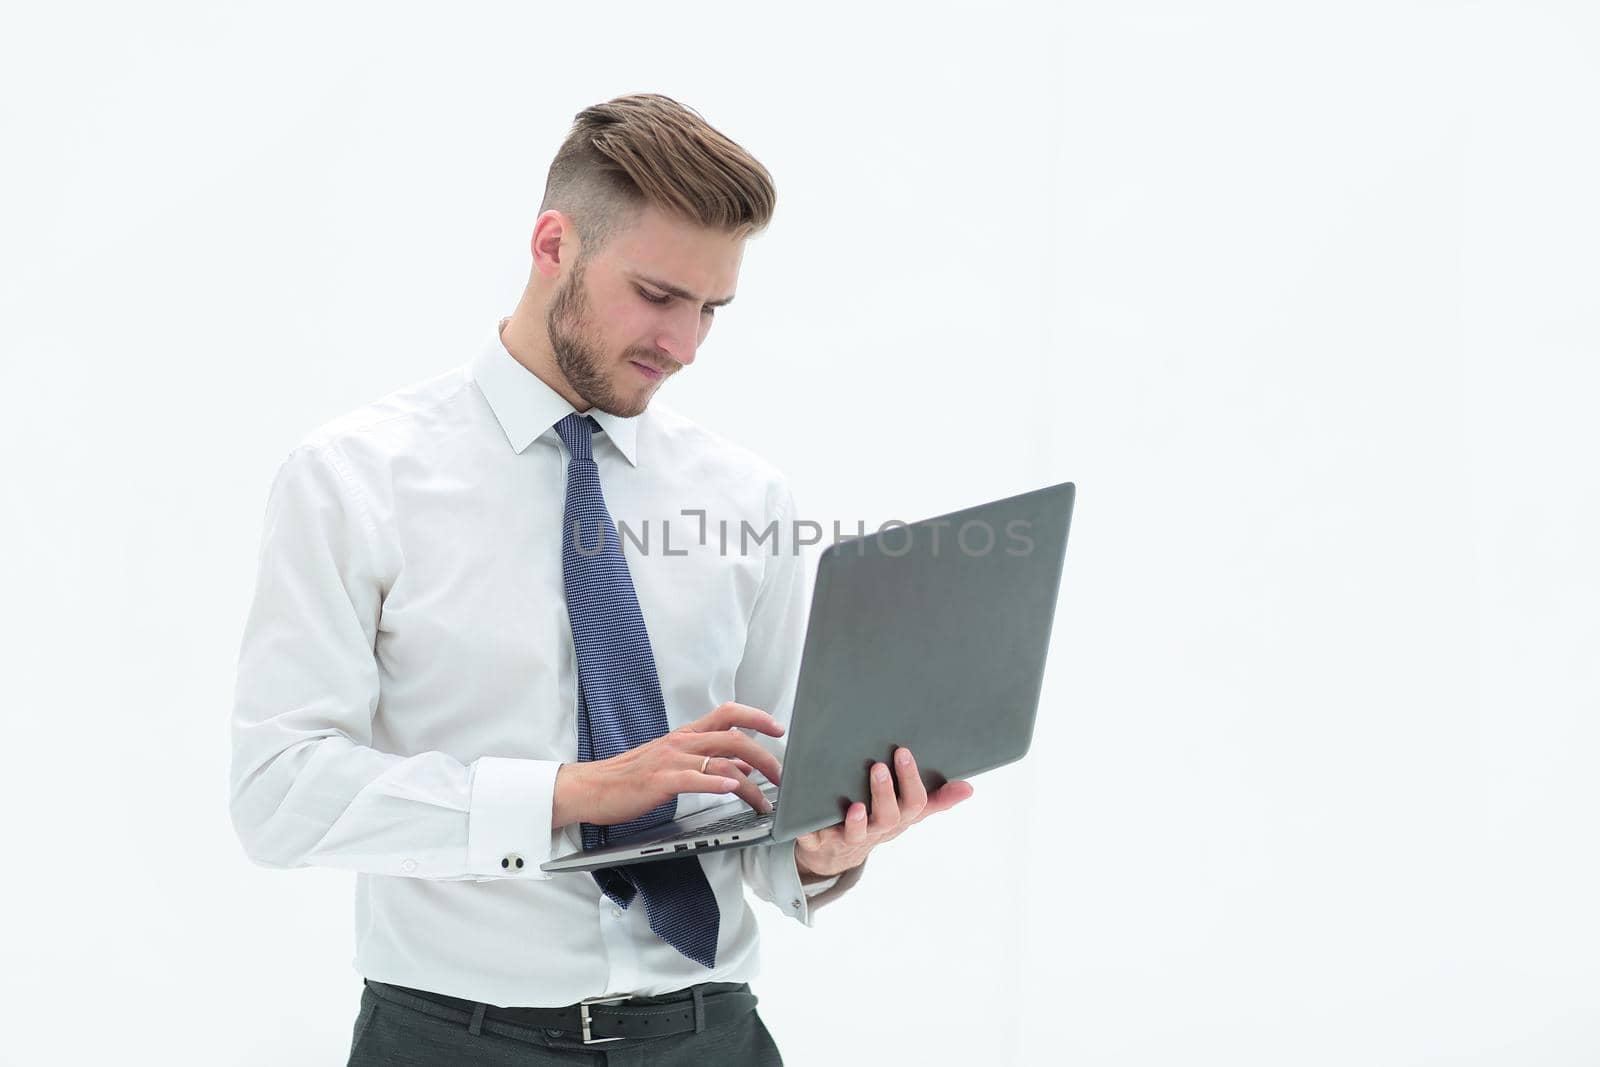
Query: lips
[(647, 371)]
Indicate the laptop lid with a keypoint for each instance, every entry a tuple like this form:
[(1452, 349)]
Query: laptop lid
[(931, 635)]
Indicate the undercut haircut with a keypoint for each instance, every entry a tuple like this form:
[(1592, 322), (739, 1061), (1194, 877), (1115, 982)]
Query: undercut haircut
[(648, 149)]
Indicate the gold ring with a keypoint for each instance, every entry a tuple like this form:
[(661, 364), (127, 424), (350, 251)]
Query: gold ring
[(704, 763)]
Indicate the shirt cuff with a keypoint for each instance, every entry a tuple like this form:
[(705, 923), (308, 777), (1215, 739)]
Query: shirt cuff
[(811, 889), (509, 816), (787, 892)]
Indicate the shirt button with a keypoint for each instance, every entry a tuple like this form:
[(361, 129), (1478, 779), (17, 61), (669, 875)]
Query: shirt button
[(795, 904), (616, 913), (511, 862), (408, 866)]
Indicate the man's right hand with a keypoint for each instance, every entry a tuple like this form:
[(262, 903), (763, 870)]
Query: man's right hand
[(615, 790)]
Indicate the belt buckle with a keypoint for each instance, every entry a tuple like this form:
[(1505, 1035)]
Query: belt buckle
[(583, 1014)]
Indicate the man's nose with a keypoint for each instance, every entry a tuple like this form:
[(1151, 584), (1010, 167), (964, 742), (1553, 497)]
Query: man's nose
[(679, 342), (675, 348)]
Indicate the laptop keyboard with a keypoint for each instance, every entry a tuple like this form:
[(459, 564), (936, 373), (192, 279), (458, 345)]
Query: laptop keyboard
[(738, 821)]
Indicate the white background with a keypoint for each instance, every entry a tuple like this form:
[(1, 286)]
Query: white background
[(1301, 296)]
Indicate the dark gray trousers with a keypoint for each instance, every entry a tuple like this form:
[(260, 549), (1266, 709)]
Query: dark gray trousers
[(397, 1029)]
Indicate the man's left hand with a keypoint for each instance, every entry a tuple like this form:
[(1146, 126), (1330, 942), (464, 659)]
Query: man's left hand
[(833, 849)]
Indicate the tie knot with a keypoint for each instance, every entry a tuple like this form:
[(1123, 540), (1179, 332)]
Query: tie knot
[(577, 430)]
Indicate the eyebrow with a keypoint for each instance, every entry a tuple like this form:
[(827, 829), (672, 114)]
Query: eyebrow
[(681, 294)]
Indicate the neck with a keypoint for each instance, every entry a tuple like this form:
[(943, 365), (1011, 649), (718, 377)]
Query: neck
[(524, 337)]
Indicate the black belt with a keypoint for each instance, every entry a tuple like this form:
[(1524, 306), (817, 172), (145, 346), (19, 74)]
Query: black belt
[(598, 1019)]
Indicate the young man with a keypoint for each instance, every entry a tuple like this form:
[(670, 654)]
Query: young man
[(452, 671)]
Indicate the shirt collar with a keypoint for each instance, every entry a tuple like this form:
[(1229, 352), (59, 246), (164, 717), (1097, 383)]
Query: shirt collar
[(527, 407)]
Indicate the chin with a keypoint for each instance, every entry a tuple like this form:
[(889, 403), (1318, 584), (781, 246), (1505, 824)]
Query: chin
[(627, 408)]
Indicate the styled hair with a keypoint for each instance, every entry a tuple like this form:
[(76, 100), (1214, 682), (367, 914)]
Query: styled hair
[(646, 148)]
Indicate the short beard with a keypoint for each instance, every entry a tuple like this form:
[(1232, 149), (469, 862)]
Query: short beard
[(578, 357)]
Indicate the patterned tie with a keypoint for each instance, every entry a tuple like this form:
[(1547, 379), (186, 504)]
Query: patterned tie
[(619, 701)]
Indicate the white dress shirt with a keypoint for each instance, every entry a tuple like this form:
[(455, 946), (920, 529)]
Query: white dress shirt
[(407, 680)]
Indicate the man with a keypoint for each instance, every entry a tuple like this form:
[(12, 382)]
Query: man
[(452, 671)]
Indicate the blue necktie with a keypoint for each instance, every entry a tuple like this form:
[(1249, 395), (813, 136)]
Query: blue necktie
[(619, 701)]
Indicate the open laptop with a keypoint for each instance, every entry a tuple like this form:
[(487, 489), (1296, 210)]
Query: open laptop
[(931, 635)]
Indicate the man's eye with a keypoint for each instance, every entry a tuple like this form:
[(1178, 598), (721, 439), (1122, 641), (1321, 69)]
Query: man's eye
[(667, 299)]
